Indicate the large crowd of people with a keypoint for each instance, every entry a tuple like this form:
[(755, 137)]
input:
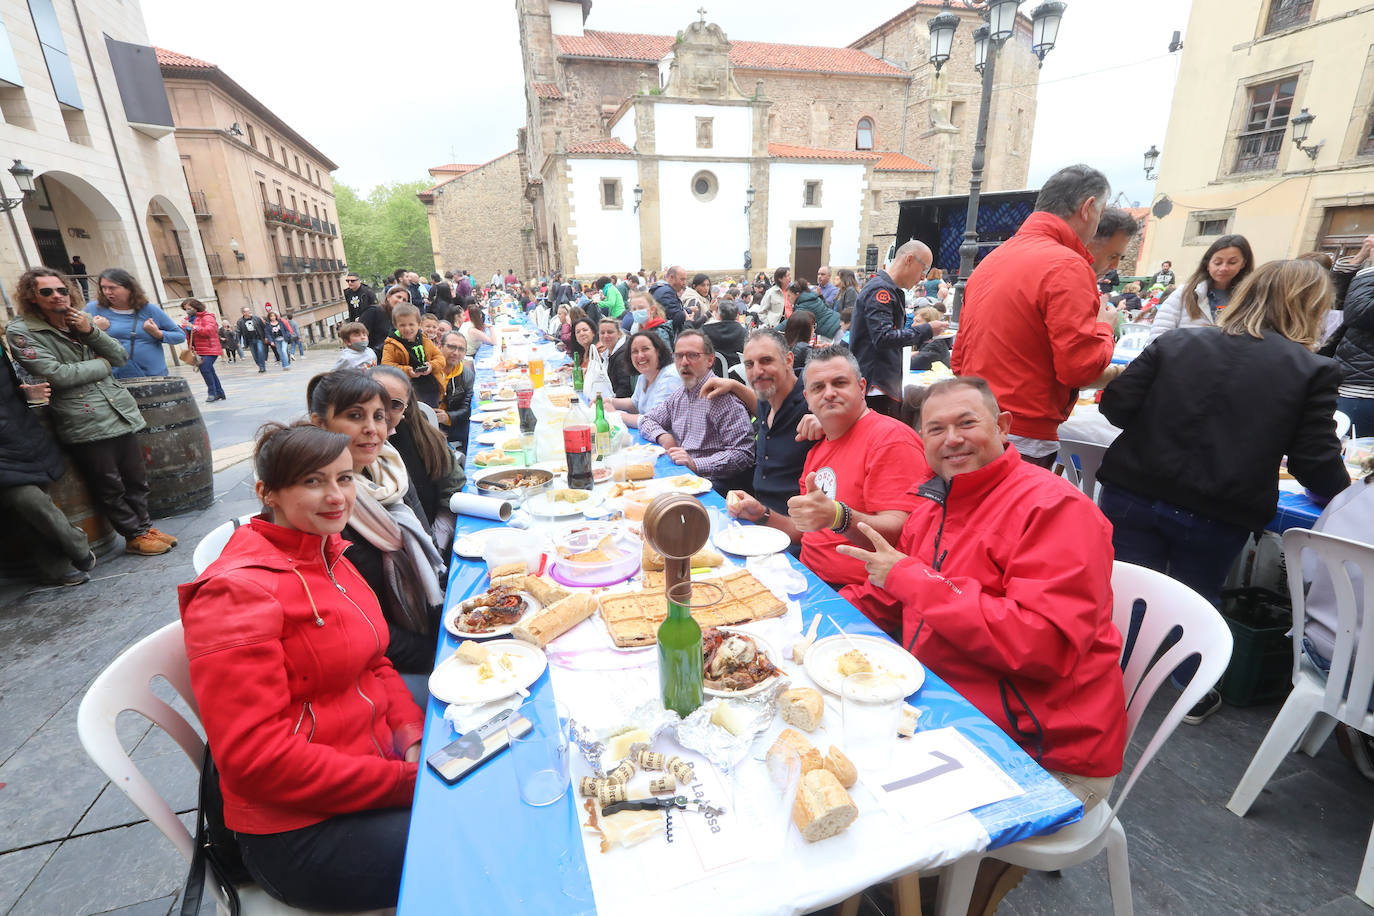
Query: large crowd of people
[(934, 511)]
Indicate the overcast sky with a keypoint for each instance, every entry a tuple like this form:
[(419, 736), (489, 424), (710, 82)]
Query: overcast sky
[(376, 87)]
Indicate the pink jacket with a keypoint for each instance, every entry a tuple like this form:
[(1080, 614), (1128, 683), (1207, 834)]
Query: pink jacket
[(203, 335)]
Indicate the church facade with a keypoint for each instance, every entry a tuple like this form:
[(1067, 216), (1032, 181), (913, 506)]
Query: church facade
[(719, 155)]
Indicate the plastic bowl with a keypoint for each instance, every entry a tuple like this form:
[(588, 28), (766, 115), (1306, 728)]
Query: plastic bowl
[(506, 546), (623, 548)]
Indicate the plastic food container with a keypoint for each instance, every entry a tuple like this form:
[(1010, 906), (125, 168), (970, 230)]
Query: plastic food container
[(511, 546), (612, 554), (635, 502)]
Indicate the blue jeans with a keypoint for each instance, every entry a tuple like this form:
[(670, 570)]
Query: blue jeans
[(259, 349), (283, 352), (207, 372), (1190, 548), (296, 347), (1361, 414)]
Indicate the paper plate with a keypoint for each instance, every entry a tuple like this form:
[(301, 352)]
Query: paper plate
[(543, 504), (646, 452), (752, 540), (498, 436), (456, 681), (822, 662), (687, 483), (493, 408), (451, 616), (472, 546), (761, 686)]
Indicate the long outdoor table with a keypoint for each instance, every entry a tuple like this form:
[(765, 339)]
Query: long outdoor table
[(475, 847)]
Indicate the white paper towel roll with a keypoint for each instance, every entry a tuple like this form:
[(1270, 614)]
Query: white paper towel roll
[(481, 506)]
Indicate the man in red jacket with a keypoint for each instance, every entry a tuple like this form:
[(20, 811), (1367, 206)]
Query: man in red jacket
[(1031, 321), (1002, 578)]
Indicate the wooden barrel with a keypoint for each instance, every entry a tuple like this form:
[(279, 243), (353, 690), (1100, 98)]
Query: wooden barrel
[(175, 445), (70, 495)]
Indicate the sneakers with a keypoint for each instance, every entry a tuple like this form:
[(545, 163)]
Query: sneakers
[(87, 564), (1204, 708), (145, 545), (74, 577), (163, 536)]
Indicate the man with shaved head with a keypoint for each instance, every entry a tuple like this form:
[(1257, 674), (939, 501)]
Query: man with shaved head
[(878, 331), (668, 293)]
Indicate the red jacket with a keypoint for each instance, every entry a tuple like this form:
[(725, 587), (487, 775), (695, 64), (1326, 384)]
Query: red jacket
[(1029, 325), (203, 335), (306, 717), (1018, 617)]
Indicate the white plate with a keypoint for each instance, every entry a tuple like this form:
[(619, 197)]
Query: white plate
[(767, 650), (493, 408), (752, 540), (451, 617), (646, 452), (455, 681), (472, 546), (542, 504), (822, 662), (508, 400), (695, 487), (498, 436)]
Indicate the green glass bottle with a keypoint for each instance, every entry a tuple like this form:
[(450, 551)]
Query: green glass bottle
[(679, 660), (577, 374), (603, 431)]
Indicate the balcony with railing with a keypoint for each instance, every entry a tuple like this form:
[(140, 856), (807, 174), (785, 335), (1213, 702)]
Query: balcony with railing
[(308, 263), (199, 205), (1258, 151), (288, 265), (214, 263), (174, 266)]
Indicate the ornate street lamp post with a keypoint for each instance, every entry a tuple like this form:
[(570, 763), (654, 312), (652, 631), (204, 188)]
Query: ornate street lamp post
[(1000, 24)]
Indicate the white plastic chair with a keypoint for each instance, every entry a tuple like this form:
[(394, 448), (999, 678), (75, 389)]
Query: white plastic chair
[(737, 370), (1081, 461), (126, 685), (1342, 425), (210, 546), (1314, 707), (1168, 604)]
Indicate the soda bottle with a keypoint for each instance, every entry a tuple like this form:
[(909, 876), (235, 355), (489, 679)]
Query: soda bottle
[(577, 447)]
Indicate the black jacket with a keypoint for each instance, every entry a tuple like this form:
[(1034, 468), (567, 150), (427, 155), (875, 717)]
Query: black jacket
[(620, 372), (358, 300), (878, 333), (1355, 352), (28, 452), (667, 297), (728, 337), (1206, 417), (378, 326), (256, 333)]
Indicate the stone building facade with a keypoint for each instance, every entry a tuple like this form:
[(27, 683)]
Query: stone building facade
[(476, 222)]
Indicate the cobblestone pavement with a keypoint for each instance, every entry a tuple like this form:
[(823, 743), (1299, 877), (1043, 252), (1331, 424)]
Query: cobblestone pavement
[(70, 843)]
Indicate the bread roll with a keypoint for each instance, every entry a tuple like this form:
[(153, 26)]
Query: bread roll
[(795, 741), (545, 590), (836, 762), (641, 471), (653, 561), (822, 807), (556, 619), (802, 707), (474, 653), (508, 569)]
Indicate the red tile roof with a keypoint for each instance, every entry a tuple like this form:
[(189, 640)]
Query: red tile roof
[(746, 55), (788, 151), (547, 91), (167, 58), (610, 145), (898, 162), (457, 168)]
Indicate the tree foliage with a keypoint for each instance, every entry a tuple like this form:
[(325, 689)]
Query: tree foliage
[(385, 230)]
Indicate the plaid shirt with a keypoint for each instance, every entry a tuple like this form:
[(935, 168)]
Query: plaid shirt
[(717, 433)]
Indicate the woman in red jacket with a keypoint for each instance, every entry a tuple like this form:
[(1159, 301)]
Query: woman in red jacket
[(314, 733), (202, 336)]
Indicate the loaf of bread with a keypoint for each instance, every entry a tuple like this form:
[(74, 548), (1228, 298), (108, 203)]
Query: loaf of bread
[(641, 471), (822, 807), (556, 619), (802, 707), (843, 768), (653, 561), (795, 741)]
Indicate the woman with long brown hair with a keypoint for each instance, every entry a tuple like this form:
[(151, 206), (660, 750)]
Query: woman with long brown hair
[(1198, 302), (434, 473), (122, 310), (1206, 418)]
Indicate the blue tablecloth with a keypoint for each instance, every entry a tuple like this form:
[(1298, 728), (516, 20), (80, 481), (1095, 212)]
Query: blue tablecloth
[(1296, 510), (476, 848)]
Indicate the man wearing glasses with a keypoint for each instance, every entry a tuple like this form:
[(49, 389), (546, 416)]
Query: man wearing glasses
[(358, 295), (878, 332), (712, 437)]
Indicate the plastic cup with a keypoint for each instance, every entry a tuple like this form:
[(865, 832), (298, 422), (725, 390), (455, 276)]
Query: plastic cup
[(540, 756), (537, 372), (872, 709)]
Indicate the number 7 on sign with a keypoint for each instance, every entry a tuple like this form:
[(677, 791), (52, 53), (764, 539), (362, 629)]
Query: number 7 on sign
[(949, 765)]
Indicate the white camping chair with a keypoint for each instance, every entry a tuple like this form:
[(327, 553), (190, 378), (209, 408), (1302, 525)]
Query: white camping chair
[(1342, 425), (1315, 706), (1081, 461), (210, 546), (1168, 604), (737, 370), (125, 685)]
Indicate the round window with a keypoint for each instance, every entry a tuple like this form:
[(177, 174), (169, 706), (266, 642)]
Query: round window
[(704, 186)]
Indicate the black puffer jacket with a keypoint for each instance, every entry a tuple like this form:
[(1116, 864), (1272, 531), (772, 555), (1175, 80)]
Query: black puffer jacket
[(28, 452), (1355, 352)]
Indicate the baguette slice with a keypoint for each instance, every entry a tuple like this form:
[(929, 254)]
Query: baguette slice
[(474, 653), (802, 707), (556, 619), (652, 560), (545, 590), (843, 768), (795, 741), (822, 807)]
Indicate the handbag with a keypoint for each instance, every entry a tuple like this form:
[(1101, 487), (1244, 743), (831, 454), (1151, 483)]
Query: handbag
[(215, 851), (189, 357)]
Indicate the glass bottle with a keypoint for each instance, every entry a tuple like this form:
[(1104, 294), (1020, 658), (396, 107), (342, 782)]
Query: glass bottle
[(603, 431), (577, 372), (679, 655)]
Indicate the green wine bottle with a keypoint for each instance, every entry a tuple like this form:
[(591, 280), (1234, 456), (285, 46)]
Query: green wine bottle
[(603, 431), (577, 374), (679, 660)]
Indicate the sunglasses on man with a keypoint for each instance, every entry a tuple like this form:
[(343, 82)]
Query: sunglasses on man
[(46, 291)]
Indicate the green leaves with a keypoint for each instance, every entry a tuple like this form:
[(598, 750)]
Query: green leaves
[(385, 230)]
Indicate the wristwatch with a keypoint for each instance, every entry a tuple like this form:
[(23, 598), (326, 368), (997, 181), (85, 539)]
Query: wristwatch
[(767, 514)]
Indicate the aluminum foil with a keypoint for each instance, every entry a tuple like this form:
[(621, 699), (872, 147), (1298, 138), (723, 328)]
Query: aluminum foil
[(722, 749), (650, 716)]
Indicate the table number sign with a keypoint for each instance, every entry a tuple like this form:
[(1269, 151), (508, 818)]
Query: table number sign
[(938, 774)]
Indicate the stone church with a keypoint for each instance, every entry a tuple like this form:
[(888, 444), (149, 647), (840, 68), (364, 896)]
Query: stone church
[(649, 150)]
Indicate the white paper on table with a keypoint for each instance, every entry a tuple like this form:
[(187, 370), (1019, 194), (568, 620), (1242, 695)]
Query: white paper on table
[(938, 774)]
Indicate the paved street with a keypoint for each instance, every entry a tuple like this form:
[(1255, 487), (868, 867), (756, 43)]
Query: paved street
[(71, 844)]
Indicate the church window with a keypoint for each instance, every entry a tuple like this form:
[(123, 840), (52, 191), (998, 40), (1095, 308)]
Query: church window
[(704, 131), (811, 194), (610, 193), (704, 186), (863, 138)]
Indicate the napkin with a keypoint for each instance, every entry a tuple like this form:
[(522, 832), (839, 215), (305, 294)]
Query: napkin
[(466, 718)]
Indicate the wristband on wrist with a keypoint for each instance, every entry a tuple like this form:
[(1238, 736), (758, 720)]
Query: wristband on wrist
[(848, 517), (767, 514), (839, 516)]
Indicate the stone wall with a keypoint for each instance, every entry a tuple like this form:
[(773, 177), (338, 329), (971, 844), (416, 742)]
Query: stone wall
[(480, 220)]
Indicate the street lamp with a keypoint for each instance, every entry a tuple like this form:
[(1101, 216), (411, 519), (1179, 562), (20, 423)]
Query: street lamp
[(749, 198), (1151, 160), (1000, 17), (639, 195), (1301, 125), (234, 247), (23, 177)]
